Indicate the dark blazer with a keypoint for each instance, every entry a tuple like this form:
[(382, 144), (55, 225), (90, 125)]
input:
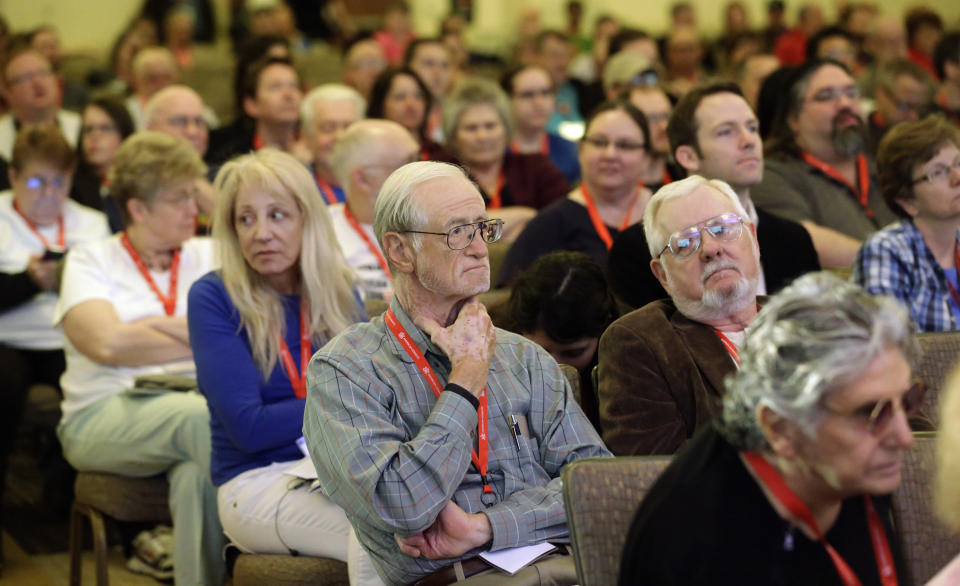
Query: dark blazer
[(786, 252), (660, 379)]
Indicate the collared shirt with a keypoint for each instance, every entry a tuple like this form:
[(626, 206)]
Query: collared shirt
[(896, 261), (392, 454)]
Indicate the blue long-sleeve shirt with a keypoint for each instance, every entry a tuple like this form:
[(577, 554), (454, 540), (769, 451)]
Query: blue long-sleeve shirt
[(254, 422)]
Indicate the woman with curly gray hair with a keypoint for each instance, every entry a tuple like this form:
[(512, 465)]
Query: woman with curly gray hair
[(790, 485)]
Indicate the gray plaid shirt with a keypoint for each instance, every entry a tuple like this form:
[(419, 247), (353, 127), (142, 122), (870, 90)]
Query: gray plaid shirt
[(392, 454)]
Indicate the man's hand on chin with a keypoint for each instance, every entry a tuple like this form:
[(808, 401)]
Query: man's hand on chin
[(469, 343), (454, 533)]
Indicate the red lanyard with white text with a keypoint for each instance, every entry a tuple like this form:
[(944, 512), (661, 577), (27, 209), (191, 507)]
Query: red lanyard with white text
[(61, 233), (355, 224), (863, 174), (298, 380), (170, 301), (729, 345), (598, 224), (770, 478), (326, 191), (483, 446), (544, 146)]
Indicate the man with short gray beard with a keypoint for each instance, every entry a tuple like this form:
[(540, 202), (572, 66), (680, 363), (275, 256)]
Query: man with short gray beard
[(662, 366), (816, 172)]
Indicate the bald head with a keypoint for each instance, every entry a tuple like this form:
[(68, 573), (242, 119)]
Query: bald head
[(178, 111), (154, 68)]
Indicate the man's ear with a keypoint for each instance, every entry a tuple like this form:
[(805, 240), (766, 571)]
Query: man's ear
[(687, 157), (780, 432), (656, 265), (397, 250), (250, 107)]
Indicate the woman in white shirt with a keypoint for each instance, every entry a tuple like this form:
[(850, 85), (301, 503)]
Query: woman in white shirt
[(38, 223), (123, 308)]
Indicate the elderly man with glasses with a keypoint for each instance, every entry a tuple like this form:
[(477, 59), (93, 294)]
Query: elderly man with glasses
[(441, 436), (662, 366)]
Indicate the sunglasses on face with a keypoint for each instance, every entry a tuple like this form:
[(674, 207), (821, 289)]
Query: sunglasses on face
[(876, 416)]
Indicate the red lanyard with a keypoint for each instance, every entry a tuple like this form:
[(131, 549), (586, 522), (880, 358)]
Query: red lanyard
[(298, 380), (326, 191), (61, 233), (495, 201), (863, 172), (770, 478), (544, 146), (424, 154), (355, 224), (666, 176), (483, 441), (598, 224), (942, 102), (956, 266), (257, 142), (729, 345), (170, 301)]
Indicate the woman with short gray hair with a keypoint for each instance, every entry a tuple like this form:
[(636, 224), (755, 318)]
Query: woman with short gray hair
[(790, 485)]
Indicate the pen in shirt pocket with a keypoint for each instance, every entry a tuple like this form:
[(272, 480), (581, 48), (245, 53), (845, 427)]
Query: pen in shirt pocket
[(515, 429)]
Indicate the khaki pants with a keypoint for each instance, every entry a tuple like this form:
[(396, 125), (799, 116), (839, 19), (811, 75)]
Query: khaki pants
[(553, 570)]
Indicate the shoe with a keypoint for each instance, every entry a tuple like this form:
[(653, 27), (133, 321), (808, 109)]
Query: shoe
[(153, 554)]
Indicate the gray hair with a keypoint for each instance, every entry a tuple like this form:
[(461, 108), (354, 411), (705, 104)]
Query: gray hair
[(475, 92), (158, 100), (810, 339), (396, 210), (656, 235), (329, 92), (357, 146)]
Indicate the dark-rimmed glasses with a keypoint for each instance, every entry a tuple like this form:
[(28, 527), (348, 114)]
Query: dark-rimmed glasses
[(874, 417), (460, 237), (684, 243)]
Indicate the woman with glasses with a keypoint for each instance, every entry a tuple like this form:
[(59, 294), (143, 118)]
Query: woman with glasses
[(106, 124), (791, 484), (916, 259), (123, 306), (284, 291), (614, 153), (478, 126), (532, 101)]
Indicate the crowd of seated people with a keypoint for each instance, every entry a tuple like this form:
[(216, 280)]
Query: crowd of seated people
[(653, 196)]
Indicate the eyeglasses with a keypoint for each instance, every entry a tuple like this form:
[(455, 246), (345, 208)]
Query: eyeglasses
[(938, 173), (460, 237), (98, 128), (684, 243), (29, 76), (602, 143), (184, 122), (648, 78), (833, 94), (37, 183), (531, 94), (876, 416)]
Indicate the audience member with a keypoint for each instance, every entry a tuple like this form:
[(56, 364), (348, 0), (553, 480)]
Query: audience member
[(554, 53), (38, 224), (477, 124), (792, 484), (45, 40), (122, 307), (430, 60), (683, 59), (154, 68), (661, 169), (282, 293), (816, 172), (714, 134), (915, 259), (562, 303), (662, 366), (791, 46), (178, 26), (887, 41), (379, 436), (947, 61), (836, 44), (611, 197), (363, 62), (178, 111), (531, 105), (924, 30), (904, 92), (32, 94), (325, 114), (363, 158), (636, 40), (401, 96), (752, 73), (106, 124), (397, 31)]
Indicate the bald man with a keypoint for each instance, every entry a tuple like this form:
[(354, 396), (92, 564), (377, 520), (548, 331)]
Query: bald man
[(178, 111)]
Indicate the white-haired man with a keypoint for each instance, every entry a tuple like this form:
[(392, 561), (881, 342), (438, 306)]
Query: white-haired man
[(395, 406), (155, 68), (325, 114), (662, 366)]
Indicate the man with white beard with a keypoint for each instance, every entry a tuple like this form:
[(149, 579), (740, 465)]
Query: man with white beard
[(662, 366)]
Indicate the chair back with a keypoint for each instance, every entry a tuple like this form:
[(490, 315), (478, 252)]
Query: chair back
[(927, 544), (601, 496), (941, 351)]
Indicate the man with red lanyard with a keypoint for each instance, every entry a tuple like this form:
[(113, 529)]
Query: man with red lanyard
[(325, 113), (441, 436), (662, 366), (367, 153), (816, 172), (791, 484)]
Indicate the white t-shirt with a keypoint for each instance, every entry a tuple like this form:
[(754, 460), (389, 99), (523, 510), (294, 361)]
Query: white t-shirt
[(30, 324), (104, 270), (372, 280)]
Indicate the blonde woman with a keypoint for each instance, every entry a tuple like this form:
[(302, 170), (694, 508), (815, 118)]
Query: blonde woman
[(283, 291)]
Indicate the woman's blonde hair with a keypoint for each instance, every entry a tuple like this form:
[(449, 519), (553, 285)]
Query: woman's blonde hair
[(325, 279), (946, 494)]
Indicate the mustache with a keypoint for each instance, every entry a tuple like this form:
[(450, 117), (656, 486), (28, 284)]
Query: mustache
[(717, 265), (847, 112)]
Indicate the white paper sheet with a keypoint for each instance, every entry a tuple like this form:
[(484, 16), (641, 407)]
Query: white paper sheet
[(514, 559)]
